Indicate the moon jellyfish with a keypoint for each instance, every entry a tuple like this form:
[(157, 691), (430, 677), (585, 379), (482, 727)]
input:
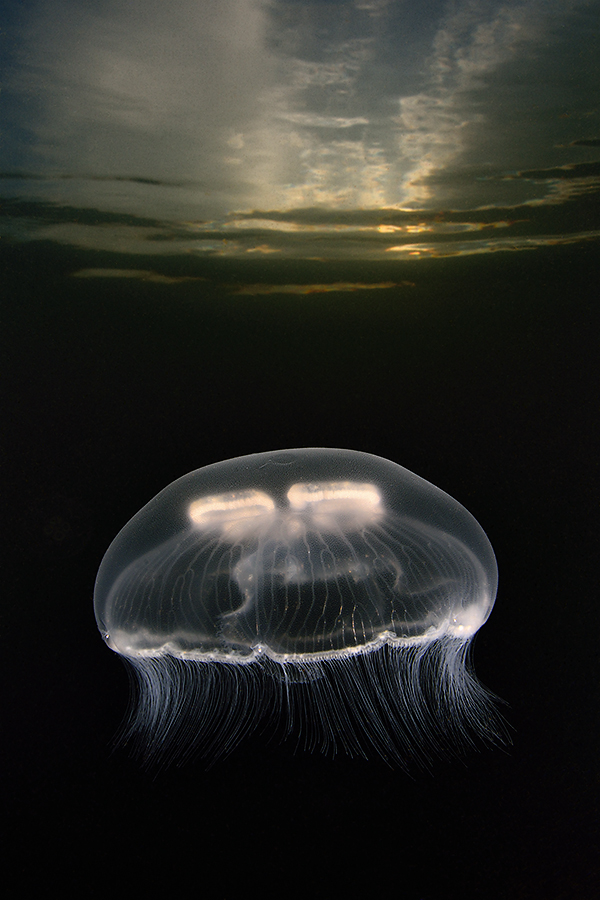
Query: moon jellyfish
[(328, 594)]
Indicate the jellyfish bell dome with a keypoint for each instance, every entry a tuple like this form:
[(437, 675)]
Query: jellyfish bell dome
[(291, 553), (320, 572)]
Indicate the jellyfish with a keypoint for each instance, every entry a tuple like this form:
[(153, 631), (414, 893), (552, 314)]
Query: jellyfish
[(327, 594)]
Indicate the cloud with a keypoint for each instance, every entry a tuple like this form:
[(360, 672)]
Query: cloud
[(245, 104)]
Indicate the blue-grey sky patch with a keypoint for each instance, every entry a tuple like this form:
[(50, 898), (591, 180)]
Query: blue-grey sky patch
[(198, 109)]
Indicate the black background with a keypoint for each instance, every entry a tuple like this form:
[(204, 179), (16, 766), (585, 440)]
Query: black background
[(483, 379)]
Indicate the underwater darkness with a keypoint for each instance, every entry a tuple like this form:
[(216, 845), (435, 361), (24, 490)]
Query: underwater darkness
[(482, 378)]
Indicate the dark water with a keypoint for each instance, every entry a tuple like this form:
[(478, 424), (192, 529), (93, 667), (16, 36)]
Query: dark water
[(480, 375), (143, 339)]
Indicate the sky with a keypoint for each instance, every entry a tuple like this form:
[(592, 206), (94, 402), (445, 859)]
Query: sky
[(203, 108)]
